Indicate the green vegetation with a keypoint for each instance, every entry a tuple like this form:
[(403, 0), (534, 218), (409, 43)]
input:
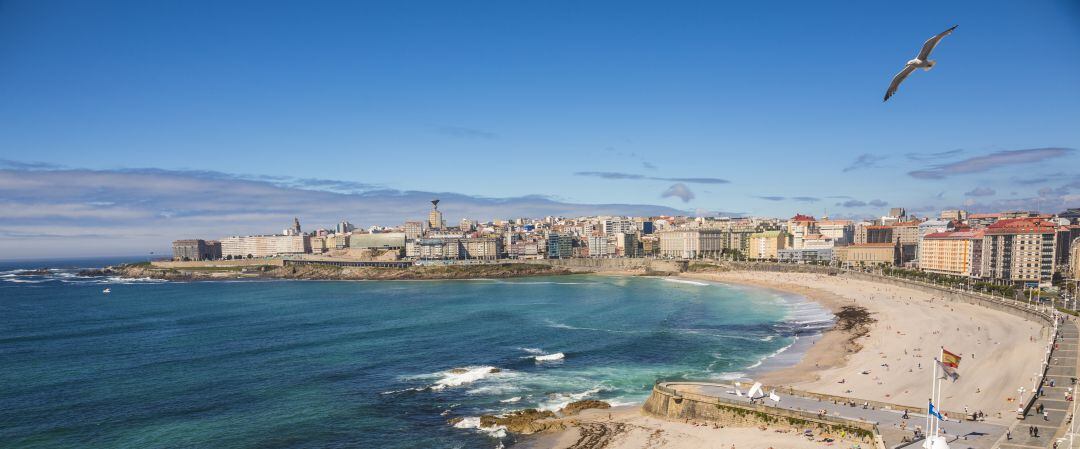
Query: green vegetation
[(1008, 291)]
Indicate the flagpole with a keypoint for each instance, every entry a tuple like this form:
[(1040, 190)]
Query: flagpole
[(941, 356), (929, 416)]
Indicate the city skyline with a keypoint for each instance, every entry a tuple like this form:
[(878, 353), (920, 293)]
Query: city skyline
[(531, 110)]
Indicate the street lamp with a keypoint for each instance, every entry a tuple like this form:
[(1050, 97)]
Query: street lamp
[(1020, 402)]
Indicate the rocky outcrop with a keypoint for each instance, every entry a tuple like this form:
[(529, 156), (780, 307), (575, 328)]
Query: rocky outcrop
[(525, 422), (574, 408)]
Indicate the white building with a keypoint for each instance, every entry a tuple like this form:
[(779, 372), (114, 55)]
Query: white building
[(691, 243), (264, 245)]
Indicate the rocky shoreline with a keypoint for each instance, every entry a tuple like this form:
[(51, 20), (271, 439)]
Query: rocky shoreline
[(327, 272), (530, 421)]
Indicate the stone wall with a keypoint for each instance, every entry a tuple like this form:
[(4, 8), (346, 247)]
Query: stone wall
[(668, 403)]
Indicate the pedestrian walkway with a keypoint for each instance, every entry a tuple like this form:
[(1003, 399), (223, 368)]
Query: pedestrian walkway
[(892, 425), (1053, 426)]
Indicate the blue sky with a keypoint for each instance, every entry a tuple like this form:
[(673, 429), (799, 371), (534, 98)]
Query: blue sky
[(762, 108)]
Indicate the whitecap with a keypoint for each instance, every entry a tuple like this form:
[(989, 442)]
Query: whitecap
[(473, 422), (463, 376), (510, 400), (550, 357), (561, 400)]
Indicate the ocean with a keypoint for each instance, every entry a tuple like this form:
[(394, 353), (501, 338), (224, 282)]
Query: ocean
[(381, 364)]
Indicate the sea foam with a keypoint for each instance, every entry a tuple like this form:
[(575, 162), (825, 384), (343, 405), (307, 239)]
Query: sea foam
[(463, 376), (550, 357)]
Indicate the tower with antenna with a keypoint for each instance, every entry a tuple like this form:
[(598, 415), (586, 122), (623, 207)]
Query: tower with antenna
[(435, 218)]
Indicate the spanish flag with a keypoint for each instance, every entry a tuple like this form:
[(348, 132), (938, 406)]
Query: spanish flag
[(949, 363)]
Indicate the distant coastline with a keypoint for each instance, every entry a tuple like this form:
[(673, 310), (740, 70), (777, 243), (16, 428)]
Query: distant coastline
[(210, 272)]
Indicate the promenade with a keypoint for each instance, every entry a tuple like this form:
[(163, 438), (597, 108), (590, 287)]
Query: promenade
[(1063, 368), (962, 434)]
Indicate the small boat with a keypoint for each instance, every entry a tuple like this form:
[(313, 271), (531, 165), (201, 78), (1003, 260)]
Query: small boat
[(106, 291)]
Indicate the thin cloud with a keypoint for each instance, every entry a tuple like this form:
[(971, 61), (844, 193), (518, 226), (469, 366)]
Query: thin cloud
[(929, 157), (860, 203), (801, 199), (990, 161), (20, 165), (635, 176), (680, 191), (48, 213), (648, 165), (865, 160), (980, 191)]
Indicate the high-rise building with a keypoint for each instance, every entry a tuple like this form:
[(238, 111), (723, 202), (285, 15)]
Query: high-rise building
[(958, 253), (414, 229), (691, 243), (435, 218), (559, 246), (264, 245), (599, 246), (612, 226), (841, 231), (1019, 251), (879, 234), (953, 215), (344, 227), (626, 244), (1074, 260), (800, 226), (766, 245), (1065, 236)]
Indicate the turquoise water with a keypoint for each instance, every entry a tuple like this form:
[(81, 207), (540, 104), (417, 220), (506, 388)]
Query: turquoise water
[(354, 364)]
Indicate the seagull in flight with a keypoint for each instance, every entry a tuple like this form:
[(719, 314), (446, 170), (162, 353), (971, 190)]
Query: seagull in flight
[(922, 61)]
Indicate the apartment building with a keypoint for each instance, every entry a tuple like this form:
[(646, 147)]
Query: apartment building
[(957, 253), (691, 243), (1019, 251), (264, 245)]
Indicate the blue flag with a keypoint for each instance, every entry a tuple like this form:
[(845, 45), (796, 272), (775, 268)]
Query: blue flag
[(933, 412)]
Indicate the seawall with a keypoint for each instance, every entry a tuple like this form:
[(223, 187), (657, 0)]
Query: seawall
[(669, 402)]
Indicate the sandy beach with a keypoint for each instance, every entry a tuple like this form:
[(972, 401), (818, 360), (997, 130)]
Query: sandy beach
[(890, 363)]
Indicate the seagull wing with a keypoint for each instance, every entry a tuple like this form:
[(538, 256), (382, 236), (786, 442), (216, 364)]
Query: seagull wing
[(932, 42), (899, 78)]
